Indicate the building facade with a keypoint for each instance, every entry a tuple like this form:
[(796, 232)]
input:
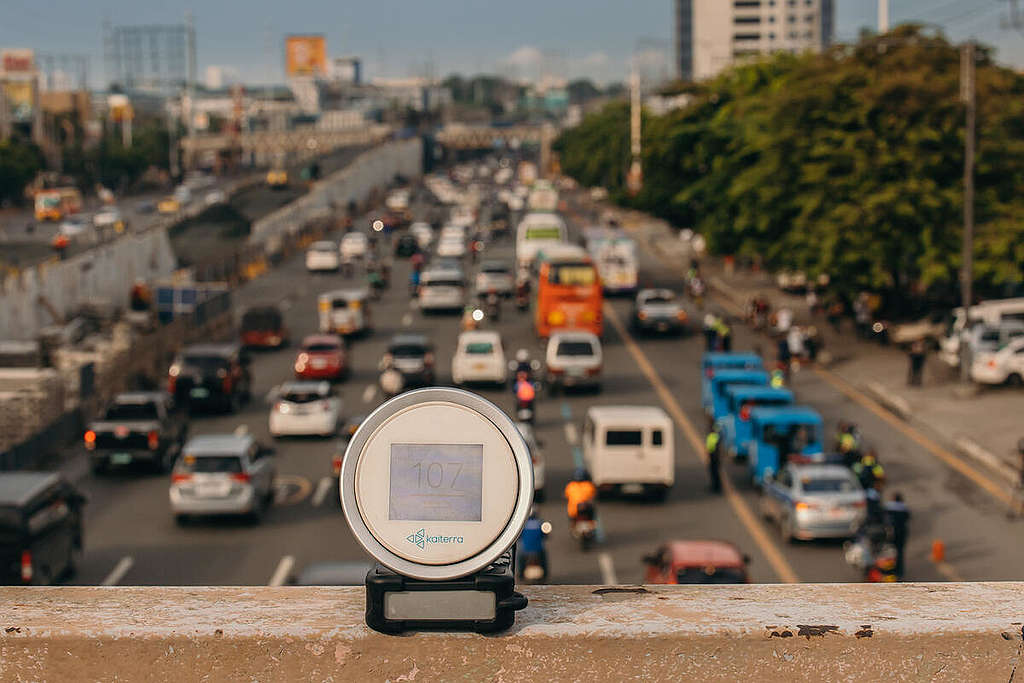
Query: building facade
[(712, 34)]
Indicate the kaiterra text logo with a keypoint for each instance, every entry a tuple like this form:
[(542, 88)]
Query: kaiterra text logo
[(421, 539)]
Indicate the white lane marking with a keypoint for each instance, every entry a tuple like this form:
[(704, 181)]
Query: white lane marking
[(118, 572), (322, 489), (241, 430), (284, 568), (608, 577), (369, 392), (572, 436), (407, 319)]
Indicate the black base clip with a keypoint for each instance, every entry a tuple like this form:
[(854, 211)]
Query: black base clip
[(485, 602)]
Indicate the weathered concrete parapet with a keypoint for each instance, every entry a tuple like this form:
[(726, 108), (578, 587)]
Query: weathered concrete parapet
[(777, 632)]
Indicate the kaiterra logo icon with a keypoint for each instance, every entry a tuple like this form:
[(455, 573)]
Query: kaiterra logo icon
[(418, 538)]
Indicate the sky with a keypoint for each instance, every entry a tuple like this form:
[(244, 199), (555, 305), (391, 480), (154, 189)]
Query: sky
[(395, 38)]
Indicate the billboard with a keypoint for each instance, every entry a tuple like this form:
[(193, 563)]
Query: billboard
[(305, 55), (20, 99), (17, 61)]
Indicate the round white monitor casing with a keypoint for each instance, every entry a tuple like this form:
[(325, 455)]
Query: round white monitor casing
[(450, 512)]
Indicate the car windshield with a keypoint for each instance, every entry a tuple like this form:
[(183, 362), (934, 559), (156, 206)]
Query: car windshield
[(206, 363), (697, 575), (480, 348), (324, 246), (495, 270), (408, 351), (211, 464), (339, 303), (132, 411), (573, 275), (623, 437), (543, 233), (660, 299), (574, 348), (443, 283), (296, 396), (261, 319), (816, 485), (324, 347)]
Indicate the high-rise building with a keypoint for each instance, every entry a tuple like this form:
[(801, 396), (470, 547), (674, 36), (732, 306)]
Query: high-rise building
[(712, 34)]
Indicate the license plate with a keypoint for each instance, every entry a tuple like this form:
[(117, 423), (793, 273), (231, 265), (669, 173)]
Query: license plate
[(575, 372), (212, 490), (836, 512), (319, 363), (479, 366), (632, 488), (120, 458), (662, 327), (199, 392)]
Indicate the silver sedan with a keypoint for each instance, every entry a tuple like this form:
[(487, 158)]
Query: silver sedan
[(814, 501)]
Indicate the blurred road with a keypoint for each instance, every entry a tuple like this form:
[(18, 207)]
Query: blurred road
[(131, 537)]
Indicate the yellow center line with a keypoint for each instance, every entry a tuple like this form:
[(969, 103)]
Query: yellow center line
[(749, 520), (992, 488)]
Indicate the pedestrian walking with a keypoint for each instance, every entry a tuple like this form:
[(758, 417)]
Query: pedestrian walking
[(898, 517), (916, 354), (711, 443), (784, 356), (862, 314)]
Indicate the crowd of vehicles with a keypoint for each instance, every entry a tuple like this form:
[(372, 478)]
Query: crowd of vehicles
[(560, 288)]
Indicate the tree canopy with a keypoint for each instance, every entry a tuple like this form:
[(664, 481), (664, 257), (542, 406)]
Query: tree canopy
[(847, 163)]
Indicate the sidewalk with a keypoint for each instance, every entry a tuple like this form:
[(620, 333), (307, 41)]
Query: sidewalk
[(981, 423)]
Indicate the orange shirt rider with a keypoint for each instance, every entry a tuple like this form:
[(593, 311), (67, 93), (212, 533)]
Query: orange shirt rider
[(577, 492)]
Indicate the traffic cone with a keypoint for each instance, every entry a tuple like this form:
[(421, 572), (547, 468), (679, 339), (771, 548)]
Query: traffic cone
[(938, 551)]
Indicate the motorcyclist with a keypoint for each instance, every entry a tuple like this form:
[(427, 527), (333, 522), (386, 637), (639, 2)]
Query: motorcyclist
[(579, 492), (414, 283), (848, 443), (869, 471), (531, 544), (523, 363)]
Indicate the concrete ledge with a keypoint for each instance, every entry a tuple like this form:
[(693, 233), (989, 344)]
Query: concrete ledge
[(766, 632), (972, 449)]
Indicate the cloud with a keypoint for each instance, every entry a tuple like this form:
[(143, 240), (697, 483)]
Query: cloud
[(526, 57)]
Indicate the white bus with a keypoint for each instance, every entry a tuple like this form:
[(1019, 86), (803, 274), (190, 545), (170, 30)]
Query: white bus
[(536, 231)]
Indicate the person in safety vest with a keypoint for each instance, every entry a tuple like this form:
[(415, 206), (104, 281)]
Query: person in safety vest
[(712, 443)]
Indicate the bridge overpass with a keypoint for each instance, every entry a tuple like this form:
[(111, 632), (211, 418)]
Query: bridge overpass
[(459, 137), (264, 147)]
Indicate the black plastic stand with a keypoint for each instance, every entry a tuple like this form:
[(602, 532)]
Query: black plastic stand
[(499, 578)]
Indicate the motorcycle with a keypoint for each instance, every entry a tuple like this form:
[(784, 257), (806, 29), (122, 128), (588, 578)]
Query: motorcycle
[(872, 555), (492, 307), (533, 569), (584, 527), (522, 301), (391, 380)]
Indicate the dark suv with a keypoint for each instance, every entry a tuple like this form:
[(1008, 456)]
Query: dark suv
[(413, 356), (211, 375)]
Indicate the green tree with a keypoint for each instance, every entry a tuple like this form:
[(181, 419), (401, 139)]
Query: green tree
[(19, 164)]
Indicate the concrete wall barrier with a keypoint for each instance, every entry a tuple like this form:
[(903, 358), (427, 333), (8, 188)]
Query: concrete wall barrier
[(106, 272), (369, 171), (813, 632)]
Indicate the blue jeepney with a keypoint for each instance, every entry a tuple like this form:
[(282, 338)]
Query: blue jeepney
[(713, 361), (720, 382), (782, 435), (735, 427)]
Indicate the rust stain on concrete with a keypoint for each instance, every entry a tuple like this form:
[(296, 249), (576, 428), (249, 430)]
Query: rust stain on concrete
[(809, 631)]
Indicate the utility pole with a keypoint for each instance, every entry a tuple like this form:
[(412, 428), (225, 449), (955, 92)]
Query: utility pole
[(967, 95), (883, 16), (635, 177)]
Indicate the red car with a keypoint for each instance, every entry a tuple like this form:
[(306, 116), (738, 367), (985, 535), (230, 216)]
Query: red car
[(696, 562), (322, 356), (263, 327)]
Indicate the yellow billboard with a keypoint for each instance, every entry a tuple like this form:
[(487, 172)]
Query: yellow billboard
[(305, 55), (20, 100)]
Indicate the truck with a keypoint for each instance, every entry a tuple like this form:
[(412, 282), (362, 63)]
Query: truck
[(57, 203), (140, 426)]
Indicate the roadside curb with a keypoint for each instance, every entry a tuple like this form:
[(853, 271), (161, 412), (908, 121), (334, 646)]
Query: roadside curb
[(897, 405), (982, 455)]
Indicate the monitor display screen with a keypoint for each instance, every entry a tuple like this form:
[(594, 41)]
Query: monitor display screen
[(436, 482)]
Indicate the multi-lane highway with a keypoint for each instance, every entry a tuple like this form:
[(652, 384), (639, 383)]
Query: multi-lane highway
[(131, 537)]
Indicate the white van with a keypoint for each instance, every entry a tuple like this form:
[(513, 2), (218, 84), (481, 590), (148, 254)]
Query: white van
[(992, 313), (536, 231), (630, 449)]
